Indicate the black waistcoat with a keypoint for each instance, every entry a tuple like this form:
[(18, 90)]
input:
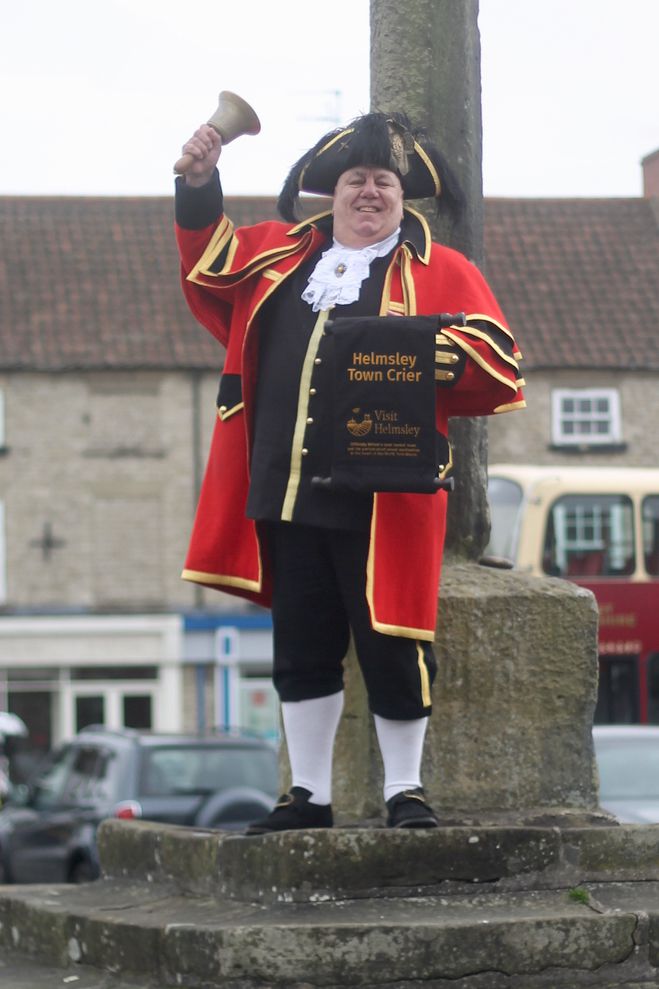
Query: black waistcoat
[(285, 326)]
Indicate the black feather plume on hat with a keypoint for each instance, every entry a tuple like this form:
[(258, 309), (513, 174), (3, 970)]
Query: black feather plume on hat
[(378, 140)]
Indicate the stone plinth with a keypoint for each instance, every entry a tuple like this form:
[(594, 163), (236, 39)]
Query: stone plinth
[(513, 704)]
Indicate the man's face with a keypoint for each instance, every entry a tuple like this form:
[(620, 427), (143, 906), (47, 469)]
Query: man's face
[(368, 206)]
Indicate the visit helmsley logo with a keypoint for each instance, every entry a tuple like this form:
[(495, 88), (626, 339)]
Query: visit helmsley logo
[(360, 427)]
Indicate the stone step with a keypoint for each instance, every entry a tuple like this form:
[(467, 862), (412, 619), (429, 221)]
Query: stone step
[(20, 972), (470, 907), (521, 939), (366, 862)]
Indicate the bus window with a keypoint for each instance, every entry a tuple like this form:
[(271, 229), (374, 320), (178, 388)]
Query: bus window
[(651, 534), (653, 689), (589, 536), (617, 691), (505, 499)]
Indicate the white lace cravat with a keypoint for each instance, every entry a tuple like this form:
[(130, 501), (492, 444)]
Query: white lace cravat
[(337, 278)]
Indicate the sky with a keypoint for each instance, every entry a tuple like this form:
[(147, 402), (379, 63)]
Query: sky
[(97, 98)]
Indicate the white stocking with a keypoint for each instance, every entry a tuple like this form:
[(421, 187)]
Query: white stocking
[(401, 746), (310, 728)]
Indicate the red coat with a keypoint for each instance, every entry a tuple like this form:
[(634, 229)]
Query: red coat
[(227, 275)]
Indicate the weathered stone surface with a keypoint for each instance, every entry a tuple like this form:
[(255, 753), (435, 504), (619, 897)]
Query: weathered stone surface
[(324, 865), (516, 693), (20, 920), (470, 908), (363, 863), (144, 850), (17, 971), (629, 853), (513, 703), (174, 940)]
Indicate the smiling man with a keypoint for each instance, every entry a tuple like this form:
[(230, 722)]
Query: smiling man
[(368, 206), (332, 563)]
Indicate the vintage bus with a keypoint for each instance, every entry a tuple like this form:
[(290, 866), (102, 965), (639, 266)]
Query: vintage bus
[(598, 527)]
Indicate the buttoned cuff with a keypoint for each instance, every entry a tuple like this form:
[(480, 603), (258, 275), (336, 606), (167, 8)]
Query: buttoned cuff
[(449, 361)]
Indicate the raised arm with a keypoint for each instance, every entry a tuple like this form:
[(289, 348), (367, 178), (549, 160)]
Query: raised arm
[(205, 147)]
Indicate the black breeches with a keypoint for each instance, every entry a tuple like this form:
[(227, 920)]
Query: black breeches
[(319, 597)]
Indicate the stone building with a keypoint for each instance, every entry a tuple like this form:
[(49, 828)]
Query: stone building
[(107, 395), (107, 401), (579, 282)]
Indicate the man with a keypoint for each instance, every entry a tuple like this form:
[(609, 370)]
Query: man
[(332, 562)]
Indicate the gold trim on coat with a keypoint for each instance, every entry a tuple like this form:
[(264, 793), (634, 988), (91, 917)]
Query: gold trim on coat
[(426, 635), (199, 577), (475, 356), (427, 247), (255, 263), (510, 407), (482, 335), (407, 281), (301, 418), (308, 223), (221, 237), (385, 300), (490, 319), (426, 699), (224, 413)]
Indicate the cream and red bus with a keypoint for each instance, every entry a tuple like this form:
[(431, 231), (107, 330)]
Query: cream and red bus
[(598, 527)]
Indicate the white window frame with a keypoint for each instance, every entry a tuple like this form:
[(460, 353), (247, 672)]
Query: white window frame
[(559, 417)]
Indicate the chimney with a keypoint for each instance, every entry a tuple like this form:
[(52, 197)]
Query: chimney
[(650, 165)]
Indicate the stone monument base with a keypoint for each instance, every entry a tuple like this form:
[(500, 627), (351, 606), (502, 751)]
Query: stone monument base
[(513, 702)]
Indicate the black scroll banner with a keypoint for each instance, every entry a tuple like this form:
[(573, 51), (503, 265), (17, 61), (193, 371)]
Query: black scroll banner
[(384, 434)]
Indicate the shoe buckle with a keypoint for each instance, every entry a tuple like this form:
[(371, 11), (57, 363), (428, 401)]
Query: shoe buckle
[(285, 801), (411, 795)]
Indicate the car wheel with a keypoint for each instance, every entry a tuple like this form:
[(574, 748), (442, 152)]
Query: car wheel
[(82, 871)]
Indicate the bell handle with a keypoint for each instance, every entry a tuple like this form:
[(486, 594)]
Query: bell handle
[(232, 118)]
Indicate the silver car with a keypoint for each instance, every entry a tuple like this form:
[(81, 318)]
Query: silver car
[(48, 829), (628, 764)]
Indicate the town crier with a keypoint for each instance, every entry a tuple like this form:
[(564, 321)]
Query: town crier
[(331, 562)]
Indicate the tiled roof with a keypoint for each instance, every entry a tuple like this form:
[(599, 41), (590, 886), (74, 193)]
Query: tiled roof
[(92, 282), (578, 279)]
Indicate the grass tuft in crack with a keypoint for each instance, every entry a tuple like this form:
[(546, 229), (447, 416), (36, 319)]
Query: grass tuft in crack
[(579, 894)]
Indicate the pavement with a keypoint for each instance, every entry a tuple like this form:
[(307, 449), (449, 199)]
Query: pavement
[(17, 972)]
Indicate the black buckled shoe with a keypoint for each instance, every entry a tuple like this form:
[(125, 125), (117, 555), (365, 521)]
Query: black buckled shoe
[(293, 812), (409, 809)]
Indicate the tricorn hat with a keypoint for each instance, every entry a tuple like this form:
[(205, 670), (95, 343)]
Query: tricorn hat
[(379, 140)]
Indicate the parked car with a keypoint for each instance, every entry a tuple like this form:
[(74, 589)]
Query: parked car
[(48, 828), (628, 765)]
